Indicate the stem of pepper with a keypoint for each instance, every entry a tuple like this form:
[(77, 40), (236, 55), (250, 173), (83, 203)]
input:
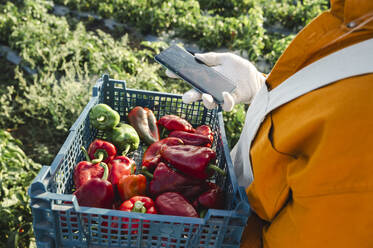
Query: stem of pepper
[(101, 118), (145, 172), (100, 157), (132, 168), (138, 207), (87, 158), (163, 131), (126, 149), (203, 213), (216, 168), (106, 171)]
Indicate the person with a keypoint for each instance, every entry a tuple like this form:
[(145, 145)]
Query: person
[(311, 158)]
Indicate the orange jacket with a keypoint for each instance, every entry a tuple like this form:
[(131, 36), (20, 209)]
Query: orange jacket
[(312, 158)]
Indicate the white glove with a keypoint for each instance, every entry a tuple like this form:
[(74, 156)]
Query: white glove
[(242, 72)]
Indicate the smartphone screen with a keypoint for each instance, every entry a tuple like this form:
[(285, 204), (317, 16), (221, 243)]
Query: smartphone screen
[(197, 74)]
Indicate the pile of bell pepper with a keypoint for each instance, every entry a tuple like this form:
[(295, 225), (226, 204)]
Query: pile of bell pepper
[(174, 177), (182, 163)]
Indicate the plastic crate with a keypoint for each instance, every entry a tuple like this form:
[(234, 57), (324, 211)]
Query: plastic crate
[(59, 221)]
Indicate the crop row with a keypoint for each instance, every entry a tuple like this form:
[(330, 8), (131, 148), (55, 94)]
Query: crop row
[(237, 25)]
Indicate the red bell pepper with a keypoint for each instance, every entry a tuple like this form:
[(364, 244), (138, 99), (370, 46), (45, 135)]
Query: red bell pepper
[(139, 204), (145, 123), (131, 185), (85, 171), (100, 150), (194, 139), (174, 122), (172, 203), (191, 160), (167, 180), (97, 193), (206, 131), (212, 198), (120, 166), (152, 155)]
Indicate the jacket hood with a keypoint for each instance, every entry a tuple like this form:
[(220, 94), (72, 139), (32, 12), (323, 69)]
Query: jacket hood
[(351, 10)]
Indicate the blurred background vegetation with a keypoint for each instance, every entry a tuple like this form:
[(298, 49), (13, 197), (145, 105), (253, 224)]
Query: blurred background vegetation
[(52, 52)]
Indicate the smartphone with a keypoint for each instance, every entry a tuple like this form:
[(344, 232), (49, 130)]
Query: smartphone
[(200, 76)]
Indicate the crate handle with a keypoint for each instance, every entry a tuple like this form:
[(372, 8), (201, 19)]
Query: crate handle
[(56, 197), (97, 88), (243, 207), (116, 83), (68, 198)]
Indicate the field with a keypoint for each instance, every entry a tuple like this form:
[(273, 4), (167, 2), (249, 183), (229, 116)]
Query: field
[(52, 52)]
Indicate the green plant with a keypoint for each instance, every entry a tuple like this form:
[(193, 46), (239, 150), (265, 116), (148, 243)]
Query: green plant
[(227, 7), (16, 174), (293, 15), (276, 44), (50, 106), (234, 121), (251, 39)]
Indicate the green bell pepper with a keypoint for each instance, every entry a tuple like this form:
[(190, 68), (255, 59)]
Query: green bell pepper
[(103, 117), (124, 137)]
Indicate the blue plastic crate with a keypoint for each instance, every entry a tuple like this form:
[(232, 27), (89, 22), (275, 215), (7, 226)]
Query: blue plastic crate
[(59, 221)]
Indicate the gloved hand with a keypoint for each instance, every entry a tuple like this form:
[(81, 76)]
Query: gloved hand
[(243, 74)]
